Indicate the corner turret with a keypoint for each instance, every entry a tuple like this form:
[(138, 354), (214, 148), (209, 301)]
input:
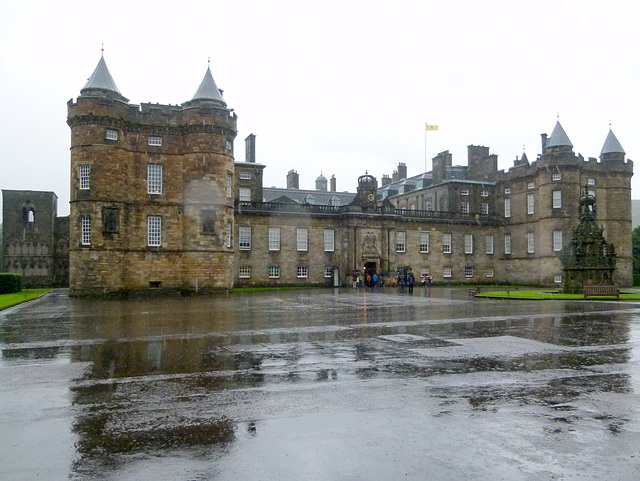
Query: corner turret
[(612, 150), (101, 84)]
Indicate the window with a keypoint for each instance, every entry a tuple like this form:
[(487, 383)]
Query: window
[(229, 227), (424, 242), (244, 194), (244, 175), (531, 203), (334, 201), (155, 141), (557, 278), (154, 179), (31, 216), (329, 240), (401, 241), (446, 272), (208, 222), (274, 239), (468, 243), (274, 272), (229, 146), (484, 193), (557, 240), (556, 197), (154, 231), (428, 204), (111, 134), (244, 238), (328, 271), (229, 185), (468, 271), (530, 185), (531, 242), (592, 193), (85, 230), (507, 190), (489, 272), (556, 176), (507, 207), (464, 191), (85, 176), (303, 272), (446, 243), (109, 219), (302, 239), (464, 207), (507, 243), (488, 244), (309, 199), (245, 272), (484, 208), (591, 181)]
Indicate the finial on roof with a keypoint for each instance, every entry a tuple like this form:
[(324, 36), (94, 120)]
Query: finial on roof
[(209, 61), (102, 49)]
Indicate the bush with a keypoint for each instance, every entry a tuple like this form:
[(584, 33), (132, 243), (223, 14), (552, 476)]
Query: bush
[(10, 283)]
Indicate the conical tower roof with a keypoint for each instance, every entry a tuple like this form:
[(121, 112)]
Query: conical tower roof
[(208, 89), (559, 138), (101, 79), (611, 145)]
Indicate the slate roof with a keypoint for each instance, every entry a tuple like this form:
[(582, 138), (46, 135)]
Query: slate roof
[(101, 79), (321, 197), (208, 90), (559, 137), (611, 145)]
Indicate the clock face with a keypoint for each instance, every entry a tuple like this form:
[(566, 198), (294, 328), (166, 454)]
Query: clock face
[(370, 197)]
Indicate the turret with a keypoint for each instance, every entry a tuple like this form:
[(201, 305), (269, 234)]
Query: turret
[(612, 151)]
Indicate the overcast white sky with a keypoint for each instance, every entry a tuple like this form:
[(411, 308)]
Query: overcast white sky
[(334, 86)]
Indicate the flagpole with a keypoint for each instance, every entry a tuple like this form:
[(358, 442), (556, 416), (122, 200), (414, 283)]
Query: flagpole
[(425, 146)]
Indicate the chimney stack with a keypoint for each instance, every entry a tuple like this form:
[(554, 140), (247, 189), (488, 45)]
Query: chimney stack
[(250, 148), (333, 183)]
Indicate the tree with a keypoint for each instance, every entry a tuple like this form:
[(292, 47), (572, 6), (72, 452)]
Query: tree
[(635, 242)]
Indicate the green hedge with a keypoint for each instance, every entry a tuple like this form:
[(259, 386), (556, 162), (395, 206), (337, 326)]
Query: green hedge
[(10, 283)]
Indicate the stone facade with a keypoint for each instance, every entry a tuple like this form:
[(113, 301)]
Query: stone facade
[(151, 192), (158, 202), (35, 239)]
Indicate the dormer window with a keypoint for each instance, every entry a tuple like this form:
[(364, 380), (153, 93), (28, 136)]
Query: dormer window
[(155, 141), (556, 176), (111, 134), (310, 200)]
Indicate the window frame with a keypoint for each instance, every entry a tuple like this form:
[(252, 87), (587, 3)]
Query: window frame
[(84, 181), (229, 235), (229, 185), (464, 207), (154, 179), (468, 272), (556, 199), (85, 230), (447, 246), (302, 272), (154, 231), (531, 242), (489, 272), (447, 271), (273, 239), (244, 272), (244, 238), (328, 272), (484, 208), (302, 239), (556, 176), (507, 207), (401, 241), (242, 194), (531, 204), (468, 243), (556, 240), (488, 244), (154, 141), (244, 175), (111, 134), (273, 272), (424, 242), (507, 244), (329, 240)]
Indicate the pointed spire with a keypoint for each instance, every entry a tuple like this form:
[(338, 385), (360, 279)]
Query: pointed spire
[(101, 79), (208, 89), (611, 145), (558, 138), (524, 159)]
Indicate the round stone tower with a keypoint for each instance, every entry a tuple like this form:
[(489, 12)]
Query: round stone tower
[(151, 191)]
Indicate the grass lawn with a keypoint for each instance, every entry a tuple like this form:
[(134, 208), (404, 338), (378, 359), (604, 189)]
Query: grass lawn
[(550, 294), (8, 300)]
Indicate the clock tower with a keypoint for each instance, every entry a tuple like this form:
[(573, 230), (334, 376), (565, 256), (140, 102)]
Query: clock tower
[(366, 193)]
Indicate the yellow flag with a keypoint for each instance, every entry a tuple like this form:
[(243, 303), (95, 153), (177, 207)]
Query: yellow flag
[(432, 127)]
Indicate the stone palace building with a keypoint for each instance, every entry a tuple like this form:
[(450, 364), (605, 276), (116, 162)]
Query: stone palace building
[(158, 202)]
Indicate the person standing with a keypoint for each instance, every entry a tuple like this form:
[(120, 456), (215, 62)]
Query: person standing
[(411, 281)]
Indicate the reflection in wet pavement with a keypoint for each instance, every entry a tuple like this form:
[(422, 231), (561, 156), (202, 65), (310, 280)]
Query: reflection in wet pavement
[(320, 384)]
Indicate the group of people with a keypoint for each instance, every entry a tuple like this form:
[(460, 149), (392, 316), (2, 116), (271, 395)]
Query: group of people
[(369, 280)]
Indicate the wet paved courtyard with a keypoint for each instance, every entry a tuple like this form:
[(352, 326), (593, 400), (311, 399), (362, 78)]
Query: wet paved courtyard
[(320, 385)]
